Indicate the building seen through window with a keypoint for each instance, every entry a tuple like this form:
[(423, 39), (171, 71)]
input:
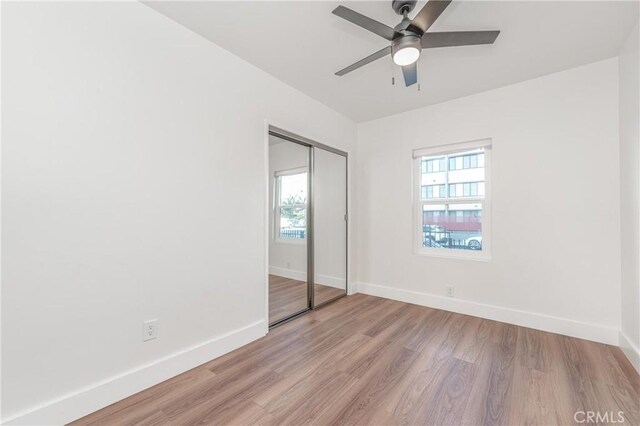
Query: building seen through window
[(452, 195)]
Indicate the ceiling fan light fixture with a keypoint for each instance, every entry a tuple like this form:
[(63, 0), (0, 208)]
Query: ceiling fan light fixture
[(406, 50), (406, 56)]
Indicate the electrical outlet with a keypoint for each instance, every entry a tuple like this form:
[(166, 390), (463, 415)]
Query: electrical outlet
[(149, 330), (450, 289)]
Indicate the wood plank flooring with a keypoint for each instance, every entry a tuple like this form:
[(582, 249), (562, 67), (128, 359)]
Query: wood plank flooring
[(370, 361), (287, 296)]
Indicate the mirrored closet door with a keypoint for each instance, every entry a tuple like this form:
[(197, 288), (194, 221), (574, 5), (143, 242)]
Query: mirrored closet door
[(289, 194), (308, 225), (329, 226)]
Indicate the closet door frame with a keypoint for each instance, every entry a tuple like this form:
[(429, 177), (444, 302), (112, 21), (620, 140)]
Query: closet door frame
[(300, 140)]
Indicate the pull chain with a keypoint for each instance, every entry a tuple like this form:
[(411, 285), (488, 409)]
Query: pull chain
[(393, 74)]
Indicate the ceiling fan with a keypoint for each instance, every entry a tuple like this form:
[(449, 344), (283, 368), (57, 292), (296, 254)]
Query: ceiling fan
[(410, 36)]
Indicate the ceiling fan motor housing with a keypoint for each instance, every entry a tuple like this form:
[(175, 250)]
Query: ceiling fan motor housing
[(403, 6)]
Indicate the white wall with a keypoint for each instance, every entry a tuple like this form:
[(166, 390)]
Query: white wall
[(556, 205), (134, 186), (629, 195)]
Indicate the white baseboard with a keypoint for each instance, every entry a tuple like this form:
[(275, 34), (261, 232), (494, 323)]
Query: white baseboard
[(92, 398), (565, 326), (330, 281), (630, 350), (292, 274)]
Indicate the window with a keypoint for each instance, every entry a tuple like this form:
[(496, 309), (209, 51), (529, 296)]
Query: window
[(291, 205), (452, 202)]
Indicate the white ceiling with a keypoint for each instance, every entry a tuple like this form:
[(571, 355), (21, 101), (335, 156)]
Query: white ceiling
[(302, 44)]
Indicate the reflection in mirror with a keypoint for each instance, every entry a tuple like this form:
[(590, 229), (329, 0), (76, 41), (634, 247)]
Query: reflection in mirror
[(329, 225), (288, 171)]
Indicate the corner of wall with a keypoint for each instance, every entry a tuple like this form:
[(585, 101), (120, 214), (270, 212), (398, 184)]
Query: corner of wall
[(630, 350)]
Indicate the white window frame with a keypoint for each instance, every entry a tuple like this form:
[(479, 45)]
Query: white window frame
[(277, 207), (418, 202)]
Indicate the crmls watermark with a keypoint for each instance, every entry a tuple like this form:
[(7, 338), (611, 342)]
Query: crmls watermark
[(608, 417)]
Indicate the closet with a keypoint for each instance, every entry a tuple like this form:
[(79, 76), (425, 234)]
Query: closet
[(307, 225)]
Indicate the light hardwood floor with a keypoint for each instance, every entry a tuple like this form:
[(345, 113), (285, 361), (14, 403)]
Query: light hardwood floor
[(287, 296), (370, 361)]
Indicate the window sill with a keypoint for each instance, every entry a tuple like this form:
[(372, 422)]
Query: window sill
[(478, 256), (294, 241)]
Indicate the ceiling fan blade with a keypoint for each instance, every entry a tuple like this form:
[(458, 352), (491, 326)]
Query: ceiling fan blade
[(374, 56), (365, 22), (410, 73), (428, 15), (458, 38)]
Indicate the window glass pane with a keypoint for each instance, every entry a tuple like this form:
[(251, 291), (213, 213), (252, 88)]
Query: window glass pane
[(452, 226), (432, 164), (433, 191), (448, 221), (292, 210), (293, 222), (293, 189)]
